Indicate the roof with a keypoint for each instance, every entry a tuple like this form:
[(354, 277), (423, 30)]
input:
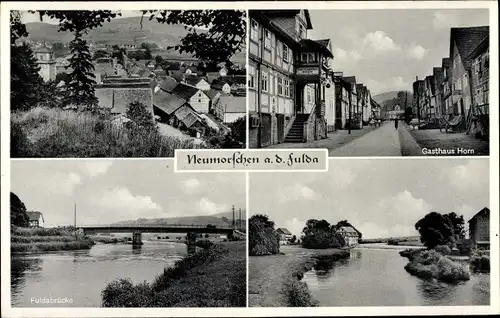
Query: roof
[(446, 62), (466, 40), (168, 84), (160, 73), (233, 104), (483, 211), (316, 46), (118, 96), (193, 80), (167, 102), (185, 91), (287, 13), (43, 49), (34, 215), (348, 229), (218, 84), (282, 230), (235, 79), (481, 48), (211, 93), (324, 42)]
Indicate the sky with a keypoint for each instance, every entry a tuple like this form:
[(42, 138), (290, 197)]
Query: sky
[(380, 197), (387, 49), (30, 17), (107, 191)]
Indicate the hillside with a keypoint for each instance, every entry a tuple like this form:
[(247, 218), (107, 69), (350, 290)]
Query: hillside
[(220, 219), (379, 98), (393, 100), (120, 31)]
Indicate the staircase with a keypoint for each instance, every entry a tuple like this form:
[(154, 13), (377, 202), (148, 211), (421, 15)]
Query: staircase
[(296, 133)]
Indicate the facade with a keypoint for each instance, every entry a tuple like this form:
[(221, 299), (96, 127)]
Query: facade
[(437, 79), (284, 67), (480, 76), (479, 229), (418, 98), (342, 102), (446, 87), (35, 219), (198, 82), (195, 97), (285, 236), (221, 85), (47, 63), (233, 108), (349, 234), (355, 109)]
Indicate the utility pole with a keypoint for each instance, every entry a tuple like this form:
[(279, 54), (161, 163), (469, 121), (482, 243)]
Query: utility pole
[(239, 220), (233, 217), (418, 99), (74, 219), (350, 111)]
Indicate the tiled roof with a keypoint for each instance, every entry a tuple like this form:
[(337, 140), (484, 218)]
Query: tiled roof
[(282, 230), (34, 215), (218, 84), (211, 93), (43, 49), (233, 104), (235, 79), (481, 48), (118, 96), (350, 79), (466, 40), (483, 211), (193, 80), (168, 84), (185, 91), (167, 102), (348, 229), (324, 42)]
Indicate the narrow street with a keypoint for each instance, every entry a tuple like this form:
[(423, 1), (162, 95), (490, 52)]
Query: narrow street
[(383, 141)]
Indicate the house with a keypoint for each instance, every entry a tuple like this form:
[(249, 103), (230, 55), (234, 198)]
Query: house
[(480, 87), (165, 104), (479, 229), (215, 108), (221, 85), (446, 87), (350, 235), (285, 235), (46, 63), (223, 71), (61, 65), (437, 76), (211, 76), (35, 219), (168, 84), (342, 101), (195, 97), (463, 41), (237, 82), (196, 81), (418, 98), (233, 107), (115, 95), (355, 121)]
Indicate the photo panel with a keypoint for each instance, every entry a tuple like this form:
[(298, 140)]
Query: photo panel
[(370, 82), (86, 234), (372, 232), (126, 83)]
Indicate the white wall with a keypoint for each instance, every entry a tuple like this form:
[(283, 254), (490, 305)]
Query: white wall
[(232, 117), (200, 102)]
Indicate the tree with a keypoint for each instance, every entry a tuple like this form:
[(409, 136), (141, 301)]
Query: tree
[(119, 53), (225, 36), (18, 214), (159, 59), (458, 225), (140, 115), (435, 229), (293, 239), (59, 49), (147, 51), (207, 236), (262, 238), (317, 234)]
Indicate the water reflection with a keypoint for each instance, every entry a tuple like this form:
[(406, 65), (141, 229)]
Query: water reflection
[(377, 278)]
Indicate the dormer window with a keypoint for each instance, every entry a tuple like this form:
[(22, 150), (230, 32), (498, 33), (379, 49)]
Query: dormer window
[(267, 40)]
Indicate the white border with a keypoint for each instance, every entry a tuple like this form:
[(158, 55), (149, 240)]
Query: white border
[(7, 311)]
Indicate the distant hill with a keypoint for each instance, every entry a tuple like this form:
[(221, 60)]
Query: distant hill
[(392, 99), (223, 219), (120, 31)]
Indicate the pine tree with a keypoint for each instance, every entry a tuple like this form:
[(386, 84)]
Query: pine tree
[(81, 80), (25, 81)]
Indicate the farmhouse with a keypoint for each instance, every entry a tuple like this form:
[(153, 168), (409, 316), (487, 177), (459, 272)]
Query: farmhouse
[(349, 234), (285, 235), (479, 229), (35, 219)]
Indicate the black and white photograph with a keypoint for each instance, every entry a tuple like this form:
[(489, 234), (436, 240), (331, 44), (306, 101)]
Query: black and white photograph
[(406, 82), (86, 234), (126, 83), (371, 232)]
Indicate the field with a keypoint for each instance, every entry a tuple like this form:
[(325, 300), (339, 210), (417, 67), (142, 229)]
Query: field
[(29, 240), (52, 132), (275, 279)]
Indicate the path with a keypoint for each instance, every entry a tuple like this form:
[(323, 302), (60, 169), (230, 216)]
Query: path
[(380, 142)]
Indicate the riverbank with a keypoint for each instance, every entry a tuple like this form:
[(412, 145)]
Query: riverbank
[(32, 240), (275, 280), (212, 277)]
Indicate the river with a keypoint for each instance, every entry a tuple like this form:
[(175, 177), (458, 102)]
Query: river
[(376, 277), (82, 275)]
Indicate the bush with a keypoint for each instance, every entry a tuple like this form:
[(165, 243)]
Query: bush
[(443, 249), (480, 261), (263, 239), (431, 264), (84, 244)]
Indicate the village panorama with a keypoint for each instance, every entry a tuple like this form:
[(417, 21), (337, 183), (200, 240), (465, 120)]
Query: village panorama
[(126, 84)]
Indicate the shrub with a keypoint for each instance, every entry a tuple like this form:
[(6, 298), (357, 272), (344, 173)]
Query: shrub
[(122, 293), (443, 249), (480, 261), (263, 239), (431, 264), (297, 294)]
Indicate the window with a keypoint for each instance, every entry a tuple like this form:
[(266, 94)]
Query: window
[(255, 31), (309, 95), (279, 48), (199, 100), (251, 77), (285, 52), (287, 88), (267, 40), (280, 86), (302, 31), (264, 82)]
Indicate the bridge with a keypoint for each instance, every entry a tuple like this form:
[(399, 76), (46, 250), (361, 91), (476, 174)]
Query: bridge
[(137, 230)]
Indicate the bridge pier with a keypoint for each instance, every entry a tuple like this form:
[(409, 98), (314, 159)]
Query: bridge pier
[(137, 239), (191, 243)]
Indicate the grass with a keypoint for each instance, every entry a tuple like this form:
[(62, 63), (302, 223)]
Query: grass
[(33, 240), (430, 264), (275, 280), (212, 277), (53, 132), (108, 239)]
